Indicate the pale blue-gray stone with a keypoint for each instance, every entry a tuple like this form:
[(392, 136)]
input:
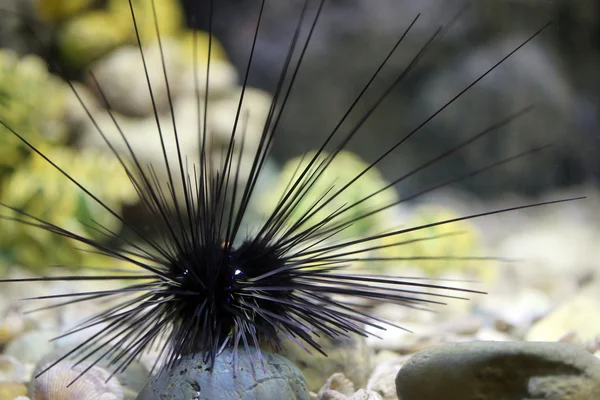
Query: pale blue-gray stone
[(191, 379)]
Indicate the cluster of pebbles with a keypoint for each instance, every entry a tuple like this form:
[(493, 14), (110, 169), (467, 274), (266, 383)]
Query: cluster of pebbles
[(533, 335)]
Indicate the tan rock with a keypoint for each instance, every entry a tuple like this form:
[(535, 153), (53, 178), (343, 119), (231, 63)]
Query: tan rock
[(10, 390), (580, 315)]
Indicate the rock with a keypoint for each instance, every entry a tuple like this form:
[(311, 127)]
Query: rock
[(491, 335), (223, 78), (364, 394), (121, 77), (593, 346), (581, 315), (500, 370), (351, 357), (12, 370), (222, 115), (396, 339), (422, 334), (522, 80), (518, 308), (331, 395), (554, 253), (191, 378), (10, 390), (76, 115), (31, 346), (13, 324), (382, 380)]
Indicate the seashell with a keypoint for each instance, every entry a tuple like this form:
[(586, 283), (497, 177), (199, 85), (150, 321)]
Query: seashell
[(53, 384), (12, 370), (336, 387), (131, 381)]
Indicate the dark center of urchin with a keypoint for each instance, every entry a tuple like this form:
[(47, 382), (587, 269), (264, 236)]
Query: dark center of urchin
[(216, 282)]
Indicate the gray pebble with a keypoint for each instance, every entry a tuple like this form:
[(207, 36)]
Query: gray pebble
[(500, 371), (191, 379)]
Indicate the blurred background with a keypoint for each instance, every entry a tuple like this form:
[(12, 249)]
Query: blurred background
[(557, 72)]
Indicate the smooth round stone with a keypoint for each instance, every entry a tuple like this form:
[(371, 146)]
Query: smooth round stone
[(191, 378), (31, 346), (500, 371)]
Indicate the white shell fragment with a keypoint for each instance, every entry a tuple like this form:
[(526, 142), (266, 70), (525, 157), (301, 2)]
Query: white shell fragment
[(337, 387), (53, 385)]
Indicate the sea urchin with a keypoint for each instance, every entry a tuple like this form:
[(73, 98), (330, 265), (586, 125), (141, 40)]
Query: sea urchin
[(206, 286)]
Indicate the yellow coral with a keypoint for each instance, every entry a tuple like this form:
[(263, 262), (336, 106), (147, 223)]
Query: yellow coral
[(168, 12), (88, 36), (201, 39), (91, 35), (457, 239), (32, 103), (38, 189), (344, 167)]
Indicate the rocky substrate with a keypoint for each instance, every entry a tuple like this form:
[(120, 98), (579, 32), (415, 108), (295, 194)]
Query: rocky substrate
[(535, 335)]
